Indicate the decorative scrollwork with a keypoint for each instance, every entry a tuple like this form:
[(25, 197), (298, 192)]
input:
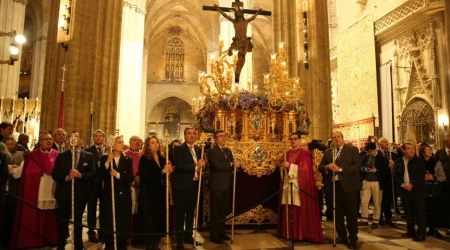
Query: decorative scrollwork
[(261, 158), (256, 124), (258, 215), (317, 158)]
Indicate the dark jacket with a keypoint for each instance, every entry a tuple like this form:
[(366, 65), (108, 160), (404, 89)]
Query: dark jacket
[(184, 167), (350, 162), (63, 165), (416, 172), (220, 166), (382, 166)]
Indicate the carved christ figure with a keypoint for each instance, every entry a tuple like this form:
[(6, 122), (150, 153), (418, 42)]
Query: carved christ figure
[(241, 42)]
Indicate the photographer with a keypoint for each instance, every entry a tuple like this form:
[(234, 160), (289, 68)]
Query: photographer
[(375, 170)]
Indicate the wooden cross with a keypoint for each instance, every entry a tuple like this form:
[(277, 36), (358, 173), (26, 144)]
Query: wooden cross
[(238, 4)]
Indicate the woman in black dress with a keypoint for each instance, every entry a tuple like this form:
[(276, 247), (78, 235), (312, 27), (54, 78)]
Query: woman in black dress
[(152, 193), (433, 201), (119, 166)]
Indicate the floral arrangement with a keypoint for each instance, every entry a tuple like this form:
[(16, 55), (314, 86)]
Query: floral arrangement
[(248, 101)]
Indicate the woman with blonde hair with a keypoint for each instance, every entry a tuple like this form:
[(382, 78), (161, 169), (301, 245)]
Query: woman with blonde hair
[(151, 216), (119, 166)]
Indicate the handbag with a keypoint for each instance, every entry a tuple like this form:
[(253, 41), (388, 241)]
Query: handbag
[(436, 189)]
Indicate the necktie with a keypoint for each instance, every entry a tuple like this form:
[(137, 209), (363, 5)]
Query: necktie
[(194, 157), (224, 153), (100, 151), (337, 156), (386, 154), (406, 174)]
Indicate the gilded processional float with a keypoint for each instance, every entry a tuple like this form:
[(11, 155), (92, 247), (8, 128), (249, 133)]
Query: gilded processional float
[(258, 123), (24, 114)]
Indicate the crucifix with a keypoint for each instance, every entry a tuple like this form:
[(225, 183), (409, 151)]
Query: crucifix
[(241, 42)]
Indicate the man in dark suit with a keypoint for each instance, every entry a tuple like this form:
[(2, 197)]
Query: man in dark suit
[(346, 167), (220, 160), (59, 140), (188, 163), (97, 150), (63, 174), (388, 191), (443, 155), (409, 173)]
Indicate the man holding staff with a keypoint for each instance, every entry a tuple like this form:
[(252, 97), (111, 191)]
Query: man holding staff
[(306, 212), (82, 172), (344, 162), (188, 162), (220, 160)]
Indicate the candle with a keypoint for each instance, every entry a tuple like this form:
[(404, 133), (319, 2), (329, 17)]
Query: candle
[(283, 65), (236, 89), (273, 58), (221, 42), (200, 76), (281, 48), (266, 78), (249, 84), (285, 75), (255, 89), (213, 59)]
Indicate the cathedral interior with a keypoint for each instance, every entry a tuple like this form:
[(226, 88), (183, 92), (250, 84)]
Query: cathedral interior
[(134, 67)]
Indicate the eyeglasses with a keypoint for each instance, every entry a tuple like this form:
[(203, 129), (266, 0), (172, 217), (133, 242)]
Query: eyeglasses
[(293, 139)]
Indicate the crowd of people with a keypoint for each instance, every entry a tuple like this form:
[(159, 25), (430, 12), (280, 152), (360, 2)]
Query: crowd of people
[(381, 172), (129, 184)]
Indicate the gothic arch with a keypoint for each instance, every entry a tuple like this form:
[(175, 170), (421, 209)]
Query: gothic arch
[(420, 114), (164, 95)]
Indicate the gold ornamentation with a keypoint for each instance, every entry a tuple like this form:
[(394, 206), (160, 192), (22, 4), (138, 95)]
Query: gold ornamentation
[(257, 123), (261, 158), (317, 158), (258, 216)]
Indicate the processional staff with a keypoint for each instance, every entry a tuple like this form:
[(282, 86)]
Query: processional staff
[(286, 193), (394, 203), (334, 149), (113, 198), (202, 140), (168, 245), (234, 197), (73, 140)]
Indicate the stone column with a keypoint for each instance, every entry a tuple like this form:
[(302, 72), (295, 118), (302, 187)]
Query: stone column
[(12, 14), (446, 77), (37, 75), (92, 67), (315, 81), (130, 70)]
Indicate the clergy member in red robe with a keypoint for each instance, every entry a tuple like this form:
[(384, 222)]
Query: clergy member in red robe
[(32, 227), (307, 225), (134, 152)]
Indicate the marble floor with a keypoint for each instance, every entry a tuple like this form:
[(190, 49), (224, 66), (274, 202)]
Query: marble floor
[(253, 239)]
